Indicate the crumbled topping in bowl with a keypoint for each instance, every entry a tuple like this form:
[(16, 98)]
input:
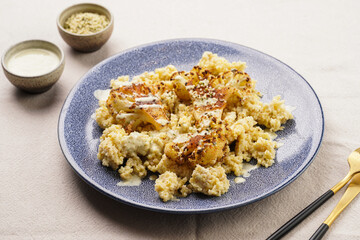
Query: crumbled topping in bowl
[(86, 23)]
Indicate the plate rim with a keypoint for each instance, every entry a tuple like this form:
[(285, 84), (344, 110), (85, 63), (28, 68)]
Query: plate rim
[(70, 159)]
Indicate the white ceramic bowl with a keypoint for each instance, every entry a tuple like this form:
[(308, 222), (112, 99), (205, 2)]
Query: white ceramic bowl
[(37, 83)]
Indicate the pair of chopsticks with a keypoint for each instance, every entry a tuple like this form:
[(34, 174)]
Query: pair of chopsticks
[(350, 193)]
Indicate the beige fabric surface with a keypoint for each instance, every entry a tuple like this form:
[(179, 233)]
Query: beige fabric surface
[(41, 197)]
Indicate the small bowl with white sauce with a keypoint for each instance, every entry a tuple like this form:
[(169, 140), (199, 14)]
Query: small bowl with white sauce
[(85, 27), (34, 65)]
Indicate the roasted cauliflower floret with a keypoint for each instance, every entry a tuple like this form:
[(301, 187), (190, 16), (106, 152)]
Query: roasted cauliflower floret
[(204, 149), (131, 105), (209, 104), (208, 100), (180, 81)]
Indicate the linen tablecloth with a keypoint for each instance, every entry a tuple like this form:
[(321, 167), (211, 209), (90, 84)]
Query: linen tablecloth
[(41, 197)]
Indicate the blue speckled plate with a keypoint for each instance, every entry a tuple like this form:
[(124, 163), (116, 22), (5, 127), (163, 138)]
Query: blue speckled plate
[(79, 133)]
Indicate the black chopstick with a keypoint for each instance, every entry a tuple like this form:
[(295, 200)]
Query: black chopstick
[(320, 232), (301, 216)]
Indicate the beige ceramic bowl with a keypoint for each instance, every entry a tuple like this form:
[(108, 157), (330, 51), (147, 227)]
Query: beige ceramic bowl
[(37, 83), (88, 42)]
